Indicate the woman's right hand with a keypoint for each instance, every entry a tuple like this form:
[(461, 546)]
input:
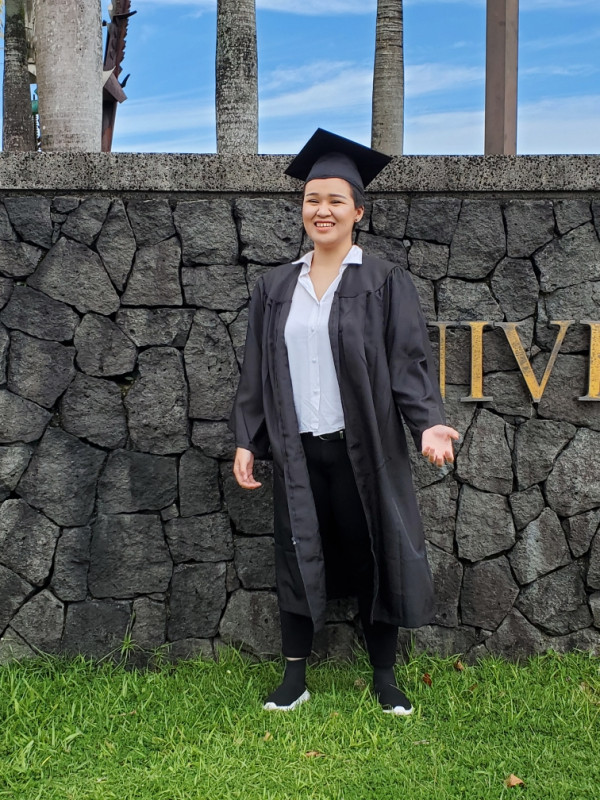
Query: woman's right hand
[(242, 469)]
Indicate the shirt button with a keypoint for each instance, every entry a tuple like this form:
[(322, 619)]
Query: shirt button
[(314, 361)]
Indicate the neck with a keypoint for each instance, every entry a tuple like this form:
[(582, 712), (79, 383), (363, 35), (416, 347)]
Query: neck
[(330, 257)]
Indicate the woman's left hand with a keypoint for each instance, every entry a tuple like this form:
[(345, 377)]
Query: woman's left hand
[(436, 444)]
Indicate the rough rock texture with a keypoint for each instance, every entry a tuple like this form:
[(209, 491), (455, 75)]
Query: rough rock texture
[(556, 602), (154, 279), (537, 443), (102, 347), (250, 512), (40, 622), (462, 300), (214, 439), (437, 503), (541, 548), (429, 260), (487, 434), (580, 531), (433, 219), (573, 258), (37, 370), (389, 216), (211, 367), (116, 245), (17, 259), (222, 288), (447, 574), (13, 462), (252, 620), (488, 593), (71, 564), (85, 222), (20, 419), (484, 525), (529, 226), (198, 484), (479, 241), (27, 541), (255, 562), (151, 220), (526, 506), (573, 485), (204, 538), (156, 326), (516, 288), (134, 481), (92, 409), (269, 230), (30, 217), (198, 596), (35, 313), (208, 233), (96, 627)]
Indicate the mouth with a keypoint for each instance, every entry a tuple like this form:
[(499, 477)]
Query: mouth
[(324, 224)]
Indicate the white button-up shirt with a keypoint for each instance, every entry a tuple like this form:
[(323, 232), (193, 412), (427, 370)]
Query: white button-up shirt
[(314, 380)]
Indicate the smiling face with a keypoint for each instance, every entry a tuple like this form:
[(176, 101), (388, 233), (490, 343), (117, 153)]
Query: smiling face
[(329, 213)]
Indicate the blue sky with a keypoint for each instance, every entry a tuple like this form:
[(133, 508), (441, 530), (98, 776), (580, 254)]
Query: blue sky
[(315, 69)]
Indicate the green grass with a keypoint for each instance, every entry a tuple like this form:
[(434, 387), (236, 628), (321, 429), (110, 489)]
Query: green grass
[(72, 730)]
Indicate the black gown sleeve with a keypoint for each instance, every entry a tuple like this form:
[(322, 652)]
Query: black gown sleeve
[(411, 365), (247, 420)]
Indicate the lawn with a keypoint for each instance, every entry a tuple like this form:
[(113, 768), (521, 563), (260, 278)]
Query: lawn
[(74, 730)]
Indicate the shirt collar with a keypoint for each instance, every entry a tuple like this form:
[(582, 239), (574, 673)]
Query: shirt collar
[(353, 256)]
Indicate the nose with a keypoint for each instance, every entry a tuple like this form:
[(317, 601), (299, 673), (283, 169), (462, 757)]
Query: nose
[(323, 210)]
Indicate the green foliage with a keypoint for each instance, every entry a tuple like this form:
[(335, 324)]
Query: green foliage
[(74, 730)]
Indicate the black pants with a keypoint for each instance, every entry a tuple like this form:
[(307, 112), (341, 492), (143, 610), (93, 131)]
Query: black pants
[(346, 544)]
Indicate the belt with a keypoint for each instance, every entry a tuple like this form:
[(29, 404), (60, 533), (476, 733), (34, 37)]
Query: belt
[(332, 437)]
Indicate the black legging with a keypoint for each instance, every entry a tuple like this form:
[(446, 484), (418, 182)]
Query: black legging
[(345, 536)]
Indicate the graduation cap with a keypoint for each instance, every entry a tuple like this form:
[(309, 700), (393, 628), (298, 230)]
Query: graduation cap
[(327, 155)]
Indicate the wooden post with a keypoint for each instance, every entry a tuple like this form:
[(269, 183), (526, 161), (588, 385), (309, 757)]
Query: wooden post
[(502, 37)]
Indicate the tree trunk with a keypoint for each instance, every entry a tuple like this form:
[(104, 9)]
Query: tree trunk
[(68, 40), (236, 77), (387, 125), (17, 129)]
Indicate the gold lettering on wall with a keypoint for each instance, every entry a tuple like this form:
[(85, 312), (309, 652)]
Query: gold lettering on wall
[(442, 355), (593, 392), (535, 389), (476, 363)]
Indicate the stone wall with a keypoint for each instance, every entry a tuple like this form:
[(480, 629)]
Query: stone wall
[(121, 330)]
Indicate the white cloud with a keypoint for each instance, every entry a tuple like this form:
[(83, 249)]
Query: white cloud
[(555, 42), (303, 7)]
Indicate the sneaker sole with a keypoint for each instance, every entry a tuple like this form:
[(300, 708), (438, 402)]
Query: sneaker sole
[(274, 707), (398, 711)]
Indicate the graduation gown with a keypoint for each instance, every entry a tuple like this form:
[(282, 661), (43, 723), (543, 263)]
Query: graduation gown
[(386, 372)]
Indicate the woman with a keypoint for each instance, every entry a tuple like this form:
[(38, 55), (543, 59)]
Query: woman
[(336, 354)]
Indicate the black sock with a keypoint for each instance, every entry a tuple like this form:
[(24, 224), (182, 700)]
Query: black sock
[(386, 689), (293, 684)]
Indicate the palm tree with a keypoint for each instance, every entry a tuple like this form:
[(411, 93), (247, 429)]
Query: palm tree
[(68, 43), (236, 77), (17, 130), (387, 125)]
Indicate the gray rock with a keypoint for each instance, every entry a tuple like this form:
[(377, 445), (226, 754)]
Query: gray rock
[(151, 220), (205, 538), (27, 541), (509, 394), (426, 296), (379, 246), (462, 300), (586, 640), (593, 574), (567, 382), (251, 620), (437, 503), (40, 622), (208, 233), (251, 512), (39, 315), (389, 216), (447, 574), (438, 640), (233, 582), (71, 564), (529, 226), (13, 648), (73, 273), (171, 512), (517, 638), (433, 219), (335, 642), (17, 259), (270, 230), (149, 628), (596, 215), (580, 531), (516, 288), (217, 287), (458, 361), (526, 506), (214, 439), (191, 649), (65, 204), (128, 556), (557, 602), (428, 260), (30, 217), (485, 460), (96, 628), (568, 303), (198, 597), (479, 242), (537, 444), (61, 478), (484, 525), (13, 462), (152, 327), (85, 222), (255, 562), (136, 482), (92, 409), (6, 232), (4, 349), (573, 258), (540, 548), (38, 370), (6, 289), (198, 484), (571, 213), (154, 279), (13, 592), (102, 347), (595, 608), (211, 367), (573, 486), (20, 419), (157, 403), (254, 272), (497, 352), (488, 594), (237, 330), (116, 245)]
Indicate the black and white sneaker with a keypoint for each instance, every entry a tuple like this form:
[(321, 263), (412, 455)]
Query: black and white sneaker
[(274, 703)]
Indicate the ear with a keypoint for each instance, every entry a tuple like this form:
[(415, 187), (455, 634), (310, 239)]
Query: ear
[(360, 212)]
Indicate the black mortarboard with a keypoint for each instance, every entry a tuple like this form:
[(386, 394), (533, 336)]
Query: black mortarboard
[(327, 155)]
